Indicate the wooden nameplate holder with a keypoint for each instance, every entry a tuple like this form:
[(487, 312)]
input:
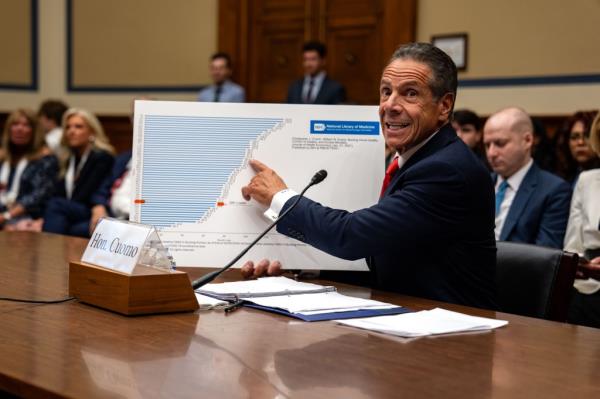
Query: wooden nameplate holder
[(148, 290)]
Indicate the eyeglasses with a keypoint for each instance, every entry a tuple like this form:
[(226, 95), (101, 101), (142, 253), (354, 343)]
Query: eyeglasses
[(577, 136)]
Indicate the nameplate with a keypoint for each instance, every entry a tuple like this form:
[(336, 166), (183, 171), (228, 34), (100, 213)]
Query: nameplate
[(116, 245)]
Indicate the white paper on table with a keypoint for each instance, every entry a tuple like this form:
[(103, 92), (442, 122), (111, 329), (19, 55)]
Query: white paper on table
[(427, 322), (327, 302), (265, 286), (190, 161)]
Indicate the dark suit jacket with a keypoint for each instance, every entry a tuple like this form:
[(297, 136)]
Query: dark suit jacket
[(331, 92), (431, 235), (102, 195), (95, 170), (540, 210)]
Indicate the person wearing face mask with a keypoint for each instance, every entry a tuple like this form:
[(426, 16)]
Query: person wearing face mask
[(27, 170), (88, 161), (432, 232)]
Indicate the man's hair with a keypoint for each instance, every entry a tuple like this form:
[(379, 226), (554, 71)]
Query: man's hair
[(53, 110), (444, 79), (467, 117), (319, 47), (223, 56)]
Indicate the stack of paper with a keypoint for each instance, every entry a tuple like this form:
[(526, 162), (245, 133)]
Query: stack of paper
[(326, 302), (266, 286), (305, 301), (427, 322)]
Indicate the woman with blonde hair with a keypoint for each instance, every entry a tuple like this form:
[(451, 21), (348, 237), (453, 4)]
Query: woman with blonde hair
[(27, 169), (583, 237), (87, 161)]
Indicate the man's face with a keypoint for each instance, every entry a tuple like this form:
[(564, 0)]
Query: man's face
[(312, 62), (408, 111), (468, 134), (506, 151), (219, 71)]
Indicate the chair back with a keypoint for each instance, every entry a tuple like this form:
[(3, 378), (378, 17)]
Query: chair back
[(534, 281)]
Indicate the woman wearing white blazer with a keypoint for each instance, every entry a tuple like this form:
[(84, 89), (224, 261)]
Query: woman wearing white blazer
[(583, 237)]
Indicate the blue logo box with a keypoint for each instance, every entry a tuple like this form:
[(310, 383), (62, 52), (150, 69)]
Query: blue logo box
[(344, 127)]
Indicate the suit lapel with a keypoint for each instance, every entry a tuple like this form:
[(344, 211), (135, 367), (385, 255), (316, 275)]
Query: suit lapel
[(441, 139), (517, 207)]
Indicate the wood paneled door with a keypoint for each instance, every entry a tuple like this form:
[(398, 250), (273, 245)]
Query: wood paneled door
[(265, 37)]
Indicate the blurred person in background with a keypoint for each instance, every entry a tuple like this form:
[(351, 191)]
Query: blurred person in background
[(50, 117), (574, 151), (222, 89), (88, 162), (468, 127), (543, 152), (315, 87), (583, 237), (28, 169)]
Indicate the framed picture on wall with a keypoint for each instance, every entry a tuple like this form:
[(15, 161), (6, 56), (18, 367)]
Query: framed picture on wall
[(455, 45)]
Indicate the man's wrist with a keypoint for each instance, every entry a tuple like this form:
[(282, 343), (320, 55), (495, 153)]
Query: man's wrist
[(277, 203)]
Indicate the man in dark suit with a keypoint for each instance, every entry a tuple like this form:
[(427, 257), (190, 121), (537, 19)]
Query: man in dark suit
[(532, 205), (315, 87), (432, 232)]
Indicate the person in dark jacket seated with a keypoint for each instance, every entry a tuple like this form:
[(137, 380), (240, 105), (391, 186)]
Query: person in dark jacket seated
[(87, 163), (115, 195), (532, 205)]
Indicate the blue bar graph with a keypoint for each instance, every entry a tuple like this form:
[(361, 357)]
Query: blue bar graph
[(189, 163)]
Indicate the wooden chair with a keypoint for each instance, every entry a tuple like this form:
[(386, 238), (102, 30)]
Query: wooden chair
[(534, 281)]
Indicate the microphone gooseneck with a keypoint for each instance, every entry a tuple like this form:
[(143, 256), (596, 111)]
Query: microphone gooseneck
[(207, 278)]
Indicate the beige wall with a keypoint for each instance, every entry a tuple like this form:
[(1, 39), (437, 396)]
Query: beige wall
[(511, 38), (52, 59), (506, 38)]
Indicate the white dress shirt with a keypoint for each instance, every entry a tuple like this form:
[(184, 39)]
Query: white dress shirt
[(317, 83), (53, 138), (583, 228), (514, 182)]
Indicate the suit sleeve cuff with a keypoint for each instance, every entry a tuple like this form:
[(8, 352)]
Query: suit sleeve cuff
[(278, 202)]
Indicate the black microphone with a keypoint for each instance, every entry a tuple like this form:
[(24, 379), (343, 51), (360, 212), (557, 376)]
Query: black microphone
[(207, 278)]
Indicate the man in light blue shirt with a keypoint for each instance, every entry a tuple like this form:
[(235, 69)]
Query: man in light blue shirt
[(222, 89)]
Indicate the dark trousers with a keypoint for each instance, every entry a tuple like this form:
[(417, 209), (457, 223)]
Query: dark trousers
[(68, 217), (585, 309)]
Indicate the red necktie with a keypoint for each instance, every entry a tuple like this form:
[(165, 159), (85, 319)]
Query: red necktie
[(389, 173)]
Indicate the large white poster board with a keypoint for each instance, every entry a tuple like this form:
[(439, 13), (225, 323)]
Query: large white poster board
[(190, 161)]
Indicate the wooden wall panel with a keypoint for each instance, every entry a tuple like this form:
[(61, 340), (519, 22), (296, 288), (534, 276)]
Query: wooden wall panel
[(265, 37)]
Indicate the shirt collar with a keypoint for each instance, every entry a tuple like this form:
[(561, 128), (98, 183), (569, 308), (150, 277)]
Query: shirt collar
[(317, 79), (405, 156), (516, 179)]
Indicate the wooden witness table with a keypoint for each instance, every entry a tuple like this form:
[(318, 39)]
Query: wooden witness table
[(76, 350)]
